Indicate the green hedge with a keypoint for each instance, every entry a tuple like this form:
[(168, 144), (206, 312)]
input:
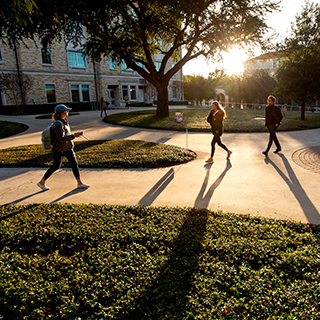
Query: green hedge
[(115, 262)]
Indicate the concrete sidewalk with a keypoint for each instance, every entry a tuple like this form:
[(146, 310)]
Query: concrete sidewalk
[(249, 183)]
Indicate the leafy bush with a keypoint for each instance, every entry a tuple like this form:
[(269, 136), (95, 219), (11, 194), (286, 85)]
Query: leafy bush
[(102, 154), (116, 262)]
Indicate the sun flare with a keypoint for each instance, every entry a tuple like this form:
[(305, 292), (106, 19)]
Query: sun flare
[(233, 60)]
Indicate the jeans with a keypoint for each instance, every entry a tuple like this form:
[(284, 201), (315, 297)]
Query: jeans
[(217, 139), (273, 137), (103, 110), (57, 160)]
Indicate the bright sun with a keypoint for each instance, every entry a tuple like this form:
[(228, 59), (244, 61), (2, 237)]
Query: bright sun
[(233, 60)]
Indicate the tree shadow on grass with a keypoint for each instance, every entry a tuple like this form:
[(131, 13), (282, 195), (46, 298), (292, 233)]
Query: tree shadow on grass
[(167, 296)]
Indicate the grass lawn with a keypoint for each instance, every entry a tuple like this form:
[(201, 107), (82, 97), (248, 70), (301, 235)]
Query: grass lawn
[(8, 128), (117, 262), (238, 120), (102, 154)]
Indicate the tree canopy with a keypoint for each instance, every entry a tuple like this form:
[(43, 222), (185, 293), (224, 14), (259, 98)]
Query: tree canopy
[(138, 32), (299, 74)]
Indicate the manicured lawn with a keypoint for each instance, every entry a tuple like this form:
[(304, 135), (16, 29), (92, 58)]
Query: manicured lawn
[(102, 154), (238, 120), (8, 128), (116, 262)]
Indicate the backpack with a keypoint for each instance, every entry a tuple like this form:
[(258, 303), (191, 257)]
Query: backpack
[(46, 138)]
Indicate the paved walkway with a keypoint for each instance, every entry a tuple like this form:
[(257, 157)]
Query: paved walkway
[(281, 186)]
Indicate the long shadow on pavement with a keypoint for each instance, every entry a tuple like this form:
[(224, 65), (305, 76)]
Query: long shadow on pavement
[(293, 183), (68, 194), (202, 200), (157, 189)]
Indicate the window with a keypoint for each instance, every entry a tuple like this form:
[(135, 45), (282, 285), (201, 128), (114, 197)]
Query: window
[(112, 64), (80, 92), (46, 56), (174, 92), (51, 93), (75, 96), (76, 59), (85, 93), (130, 91), (123, 65), (124, 91), (133, 93)]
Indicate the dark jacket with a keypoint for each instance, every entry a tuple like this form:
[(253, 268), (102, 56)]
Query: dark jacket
[(273, 115), (61, 136), (216, 122)]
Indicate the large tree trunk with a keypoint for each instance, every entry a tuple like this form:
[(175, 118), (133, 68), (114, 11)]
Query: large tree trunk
[(163, 105)]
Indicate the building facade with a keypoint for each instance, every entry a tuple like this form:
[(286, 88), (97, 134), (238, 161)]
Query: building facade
[(61, 74), (268, 61)]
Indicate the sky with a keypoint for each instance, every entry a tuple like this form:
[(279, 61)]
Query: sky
[(279, 21)]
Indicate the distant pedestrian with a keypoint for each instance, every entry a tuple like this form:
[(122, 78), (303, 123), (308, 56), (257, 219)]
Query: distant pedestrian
[(126, 99), (215, 118), (104, 106), (273, 118), (62, 146)]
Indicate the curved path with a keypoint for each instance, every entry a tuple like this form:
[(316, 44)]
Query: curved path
[(278, 186)]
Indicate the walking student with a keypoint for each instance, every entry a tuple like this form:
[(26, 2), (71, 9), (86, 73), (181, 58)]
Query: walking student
[(61, 139), (273, 118), (215, 118), (103, 106)]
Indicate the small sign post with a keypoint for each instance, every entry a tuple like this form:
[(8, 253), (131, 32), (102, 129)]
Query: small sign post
[(179, 119)]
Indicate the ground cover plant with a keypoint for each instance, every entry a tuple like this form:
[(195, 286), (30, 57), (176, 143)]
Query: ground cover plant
[(102, 154), (68, 261), (8, 128), (194, 119)]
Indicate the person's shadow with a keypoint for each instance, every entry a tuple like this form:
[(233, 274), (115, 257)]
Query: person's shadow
[(167, 295), (157, 189), (202, 200), (293, 183)]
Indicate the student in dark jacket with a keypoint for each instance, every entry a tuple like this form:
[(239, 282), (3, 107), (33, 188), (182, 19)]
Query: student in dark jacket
[(61, 139), (273, 118), (215, 118)]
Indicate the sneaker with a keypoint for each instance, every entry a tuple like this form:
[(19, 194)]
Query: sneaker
[(276, 151), (229, 154), (265, 153), (83, 186), (210, 160), (43, 186)]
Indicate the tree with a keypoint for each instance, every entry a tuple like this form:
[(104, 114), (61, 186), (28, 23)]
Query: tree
[(16, 86), (197, 88), (299, 74), (234, 87), (139, 32), (258, 85), (15, 19)]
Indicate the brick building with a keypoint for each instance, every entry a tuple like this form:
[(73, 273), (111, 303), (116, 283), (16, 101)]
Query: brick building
[(62, 74)]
